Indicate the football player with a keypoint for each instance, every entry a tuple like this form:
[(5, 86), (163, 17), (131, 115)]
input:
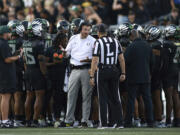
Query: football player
[(63, 26), (56, 66), (35, 72), (122, 35), (75, 24), (47, 37), (152, 36), (170, 76)]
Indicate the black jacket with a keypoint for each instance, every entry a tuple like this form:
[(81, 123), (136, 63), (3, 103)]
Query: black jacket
[(139, 62)]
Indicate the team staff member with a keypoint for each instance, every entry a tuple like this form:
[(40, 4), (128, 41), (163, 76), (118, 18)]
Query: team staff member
[(63, 26), (80, 48), (7, 75), (75, 24), (15, 43), (107, 51), (139, 61)]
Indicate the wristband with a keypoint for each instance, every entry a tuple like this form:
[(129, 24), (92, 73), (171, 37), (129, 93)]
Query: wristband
[(123, 73), (91, 77)]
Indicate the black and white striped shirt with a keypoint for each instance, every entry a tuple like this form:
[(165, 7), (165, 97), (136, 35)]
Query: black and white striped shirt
[(108, 50)]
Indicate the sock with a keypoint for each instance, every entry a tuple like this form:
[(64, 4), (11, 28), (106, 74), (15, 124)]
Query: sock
[(23, 121), (18, 117), (4, 121), (136, 118), (22, 117), (27, 121), (159, 120), (168, 121), (35, 121)]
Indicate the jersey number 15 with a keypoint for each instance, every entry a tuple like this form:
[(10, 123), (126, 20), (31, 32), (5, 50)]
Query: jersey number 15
[(29, 56)]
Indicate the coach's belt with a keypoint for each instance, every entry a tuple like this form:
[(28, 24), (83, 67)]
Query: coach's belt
[(81, 66)]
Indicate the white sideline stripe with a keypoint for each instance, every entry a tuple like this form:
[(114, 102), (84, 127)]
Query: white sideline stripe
[(6, 134), (98, 97), (49, 129), (65, 133)]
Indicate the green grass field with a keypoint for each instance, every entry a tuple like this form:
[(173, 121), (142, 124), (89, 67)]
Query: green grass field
[(88, 131)]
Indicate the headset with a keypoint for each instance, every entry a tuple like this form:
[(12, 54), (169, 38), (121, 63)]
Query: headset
[(83, 23)]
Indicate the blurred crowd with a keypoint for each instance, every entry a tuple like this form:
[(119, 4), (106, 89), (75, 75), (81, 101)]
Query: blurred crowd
[(95, 11)]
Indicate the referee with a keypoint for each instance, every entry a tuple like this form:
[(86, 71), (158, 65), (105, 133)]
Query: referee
[(106, 53)]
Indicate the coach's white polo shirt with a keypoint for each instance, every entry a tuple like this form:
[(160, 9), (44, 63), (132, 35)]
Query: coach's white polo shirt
[(79, 49)]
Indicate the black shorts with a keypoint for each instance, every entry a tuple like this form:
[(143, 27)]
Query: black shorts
[(174, 82), (155, 82), (123, 86), (7, 90), (170, 81), (166, 83), (48, 84), (8, 86), (57, 85), (19, 81), (34, 80), (27, 83), (171, 77)]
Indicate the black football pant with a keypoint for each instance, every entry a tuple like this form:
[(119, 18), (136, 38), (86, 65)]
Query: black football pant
[(133, 91), (48, 94), (109, 97), (59, 97)]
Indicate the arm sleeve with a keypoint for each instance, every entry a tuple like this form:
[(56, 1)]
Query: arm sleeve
[(96, 51)]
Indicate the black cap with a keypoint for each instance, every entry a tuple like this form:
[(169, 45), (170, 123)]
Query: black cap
[(102, 28)]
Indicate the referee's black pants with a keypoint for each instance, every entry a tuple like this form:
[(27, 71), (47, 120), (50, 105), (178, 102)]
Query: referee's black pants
[(133, 91), (109, 98)]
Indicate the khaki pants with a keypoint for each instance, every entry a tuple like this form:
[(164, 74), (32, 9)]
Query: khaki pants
[(79, 77)]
